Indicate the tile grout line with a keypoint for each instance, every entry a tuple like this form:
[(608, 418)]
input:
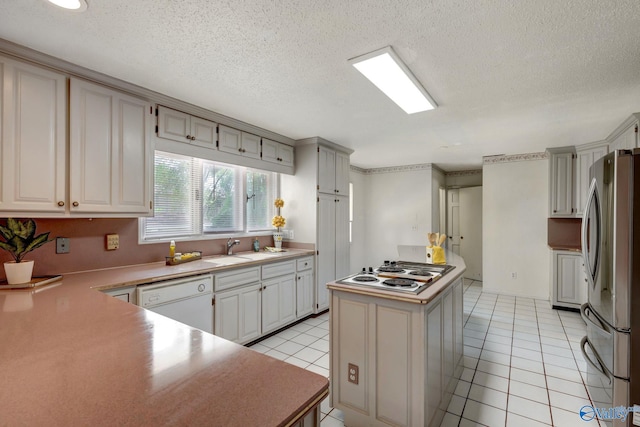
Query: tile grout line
[(544, 369)]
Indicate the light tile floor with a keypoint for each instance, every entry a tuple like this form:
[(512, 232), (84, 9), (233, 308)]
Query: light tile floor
[(523, 365)]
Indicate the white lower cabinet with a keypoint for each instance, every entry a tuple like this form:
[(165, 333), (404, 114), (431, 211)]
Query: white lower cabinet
[(569, 281), (278, 302), (395, 363), (237, 313), (254, 301)]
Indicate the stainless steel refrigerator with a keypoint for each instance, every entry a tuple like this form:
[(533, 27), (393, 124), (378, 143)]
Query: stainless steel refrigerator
[(611, 251)]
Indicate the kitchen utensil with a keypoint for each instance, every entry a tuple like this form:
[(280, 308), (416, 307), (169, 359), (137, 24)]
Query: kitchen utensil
[(432, 238), (443, 237)]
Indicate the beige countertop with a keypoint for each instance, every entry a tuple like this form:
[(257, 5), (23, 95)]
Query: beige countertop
[(424, 297), (70, 355)]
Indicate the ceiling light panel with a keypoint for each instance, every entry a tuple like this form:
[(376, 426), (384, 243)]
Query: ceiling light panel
[(72, 5), (385, 70)]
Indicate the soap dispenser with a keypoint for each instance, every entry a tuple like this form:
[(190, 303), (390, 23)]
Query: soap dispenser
[(256, 245)]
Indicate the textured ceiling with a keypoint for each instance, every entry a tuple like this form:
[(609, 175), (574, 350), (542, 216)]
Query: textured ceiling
[(510, 77)]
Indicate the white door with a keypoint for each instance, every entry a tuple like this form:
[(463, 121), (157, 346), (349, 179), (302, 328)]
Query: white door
[(342, 174), (464, 227), (250, 145), (287, 296), (270, 305), (227, 315), (471, 230), (326, 261), (250, 306), (342, 245), (270, 150), (33, 108)]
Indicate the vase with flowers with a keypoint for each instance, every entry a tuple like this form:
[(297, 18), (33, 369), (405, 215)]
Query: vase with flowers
[(278, 222)]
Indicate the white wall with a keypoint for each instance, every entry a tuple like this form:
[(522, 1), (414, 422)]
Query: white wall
[(359, 225), (514, 228)]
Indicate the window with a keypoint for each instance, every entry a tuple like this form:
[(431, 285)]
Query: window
[(199, 198)]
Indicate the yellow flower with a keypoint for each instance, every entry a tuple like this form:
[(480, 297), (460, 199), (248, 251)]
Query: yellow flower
[(278, 221), (279, 202)]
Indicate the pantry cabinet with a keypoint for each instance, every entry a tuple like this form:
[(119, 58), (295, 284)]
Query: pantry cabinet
[(33, 126), (237, 142), (320, 209), (569, 280), (561, 181), (275, 152), (586, 156), (183, 127), (110, 161)]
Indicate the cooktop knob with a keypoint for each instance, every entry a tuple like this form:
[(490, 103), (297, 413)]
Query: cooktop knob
[(393, 263), (386, 262), (370, 270)]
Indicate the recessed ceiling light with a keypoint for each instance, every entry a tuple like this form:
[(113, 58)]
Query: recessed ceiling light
[(387, 71), (73, 5)]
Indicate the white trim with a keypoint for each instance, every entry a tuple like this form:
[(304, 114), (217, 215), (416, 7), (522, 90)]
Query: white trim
[(487, 160)]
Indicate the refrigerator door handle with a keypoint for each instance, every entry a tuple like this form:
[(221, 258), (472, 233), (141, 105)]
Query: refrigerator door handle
[(598, 365), (587, 315), (591, 270)]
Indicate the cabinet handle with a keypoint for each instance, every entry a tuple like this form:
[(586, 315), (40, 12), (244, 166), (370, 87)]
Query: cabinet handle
[(60, 204), (188, 136), (193, 138), (554, 211), (299, 278), (240, 150), (75, 204)]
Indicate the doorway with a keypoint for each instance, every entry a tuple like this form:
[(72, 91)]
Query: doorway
[(464, 227)]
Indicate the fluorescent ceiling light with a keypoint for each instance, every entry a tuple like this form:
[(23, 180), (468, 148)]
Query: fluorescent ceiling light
[(74, 5), (385, 70)]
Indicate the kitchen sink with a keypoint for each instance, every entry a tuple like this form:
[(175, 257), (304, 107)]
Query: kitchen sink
[(260, 255), (226, 260)]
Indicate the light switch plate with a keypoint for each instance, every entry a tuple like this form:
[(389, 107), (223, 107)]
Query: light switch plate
[(62, 245)]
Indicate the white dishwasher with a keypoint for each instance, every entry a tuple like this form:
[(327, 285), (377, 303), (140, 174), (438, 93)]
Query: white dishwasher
[(187, 300)]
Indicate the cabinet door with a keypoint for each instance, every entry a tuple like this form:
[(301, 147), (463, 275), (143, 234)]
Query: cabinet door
[(448, 324), (562, 185), (585, 159), (203, 132), (270, 151), (342, 245), (326, 170), (304, 293), (568, 277), (270, 306), (250, 145), (110, 160), (33, 108), (174, 125), (229, 140), (237, 314), (287, 299), (326, 264), (342, 174), (250, 316), (285, 154)]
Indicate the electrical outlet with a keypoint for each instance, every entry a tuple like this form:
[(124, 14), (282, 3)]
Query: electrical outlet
[(62, 245), (354, 377), (113, 242), (514, 275), (290, 234)]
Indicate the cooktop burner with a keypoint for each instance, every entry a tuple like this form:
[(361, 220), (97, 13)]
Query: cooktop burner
[(365, 279), (390, 269), (399, 282), (421, 273)]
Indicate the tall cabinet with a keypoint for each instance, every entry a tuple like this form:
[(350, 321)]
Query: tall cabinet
[(318, 210)]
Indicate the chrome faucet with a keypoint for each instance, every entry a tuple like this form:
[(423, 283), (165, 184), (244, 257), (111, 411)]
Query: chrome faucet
[(230, 244)]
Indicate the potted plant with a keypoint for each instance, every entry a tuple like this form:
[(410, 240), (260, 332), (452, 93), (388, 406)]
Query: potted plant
[(20, 239)]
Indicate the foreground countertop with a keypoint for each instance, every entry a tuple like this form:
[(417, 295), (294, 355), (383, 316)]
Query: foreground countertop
[(70, 355), (424, 297)]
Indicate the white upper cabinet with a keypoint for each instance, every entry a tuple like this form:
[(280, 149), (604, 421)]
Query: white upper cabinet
[(183, 127), (276, 152), (238, 142), (561, 203), (326, 170), (625, 137), (586, 157), (33, 108), (110, 161)]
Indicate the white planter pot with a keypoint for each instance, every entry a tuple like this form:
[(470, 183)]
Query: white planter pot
[(277, 240), (18, 272)]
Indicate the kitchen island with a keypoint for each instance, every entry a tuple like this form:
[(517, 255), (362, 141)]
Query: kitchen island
[(396, 357), (71, 355)]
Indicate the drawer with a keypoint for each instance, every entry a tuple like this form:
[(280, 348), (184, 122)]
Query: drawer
[(278, 269), (304, 263), (234, 278)]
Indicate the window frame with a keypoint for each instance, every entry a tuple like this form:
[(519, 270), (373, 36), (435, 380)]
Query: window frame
[(204, 236)]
